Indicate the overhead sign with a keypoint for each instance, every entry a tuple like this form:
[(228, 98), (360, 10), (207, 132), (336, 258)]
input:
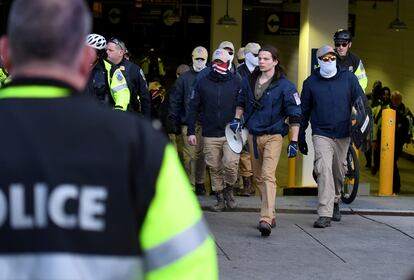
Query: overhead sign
[(114, 15), (282, 23), (273, 23)]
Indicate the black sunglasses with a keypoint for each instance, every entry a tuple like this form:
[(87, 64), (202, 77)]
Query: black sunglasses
[(341, 44)]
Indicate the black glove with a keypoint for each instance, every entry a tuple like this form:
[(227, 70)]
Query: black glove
[(303, 147), (235, 125), (292, 149)]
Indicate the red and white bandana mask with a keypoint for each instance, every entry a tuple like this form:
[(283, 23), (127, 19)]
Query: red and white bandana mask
[(220, 67)]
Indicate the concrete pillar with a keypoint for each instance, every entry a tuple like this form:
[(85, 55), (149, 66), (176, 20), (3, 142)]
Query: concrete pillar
[(319, 21), (232, 33)]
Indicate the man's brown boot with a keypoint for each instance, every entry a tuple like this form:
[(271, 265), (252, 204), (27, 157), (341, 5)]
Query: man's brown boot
[(229, 197), (248, 188), (220, 206)]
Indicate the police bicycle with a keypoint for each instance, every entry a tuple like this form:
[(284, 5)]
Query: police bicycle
[(351, 180)]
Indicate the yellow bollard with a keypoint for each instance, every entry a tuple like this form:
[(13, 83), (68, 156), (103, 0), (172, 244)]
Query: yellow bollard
[(387, 152), (291, 169)]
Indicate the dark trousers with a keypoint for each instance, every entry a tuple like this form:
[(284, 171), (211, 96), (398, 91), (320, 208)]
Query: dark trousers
[(396, 184), (377, 157), (368, 157)]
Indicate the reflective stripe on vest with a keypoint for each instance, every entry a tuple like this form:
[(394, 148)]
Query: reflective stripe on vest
[(120, 87), (362, 76), (72, 266), (177, 247), (34, 92)]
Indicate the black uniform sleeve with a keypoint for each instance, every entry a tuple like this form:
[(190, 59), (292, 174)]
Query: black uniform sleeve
[(177, 101), (143, 93), (193, 109), (306, 106)]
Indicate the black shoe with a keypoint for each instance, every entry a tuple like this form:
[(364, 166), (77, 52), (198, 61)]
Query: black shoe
[(322, 222), (200, 189), (264, 228), (336, 217), (273, 225), (213, 193)]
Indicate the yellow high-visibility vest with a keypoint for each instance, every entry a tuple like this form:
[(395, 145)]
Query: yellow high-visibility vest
[(118, 87)]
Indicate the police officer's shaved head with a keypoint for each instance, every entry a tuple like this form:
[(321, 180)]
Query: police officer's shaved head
[(47, 30)]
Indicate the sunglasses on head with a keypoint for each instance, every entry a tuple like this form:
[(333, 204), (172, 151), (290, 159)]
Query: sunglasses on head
[(327, 58), (341, 45), (116, 41)]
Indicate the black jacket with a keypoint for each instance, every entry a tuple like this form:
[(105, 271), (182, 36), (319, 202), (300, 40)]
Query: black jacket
[(180, 97), (214, 97), (138, 87), (243, 70), (97, 85), (349, 62)]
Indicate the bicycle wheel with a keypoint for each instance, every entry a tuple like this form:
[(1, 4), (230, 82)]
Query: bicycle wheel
[(351, 180)]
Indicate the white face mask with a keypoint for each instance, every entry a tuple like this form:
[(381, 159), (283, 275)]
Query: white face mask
[(199, 64), (328, 69), (231, 60), (251, 60)]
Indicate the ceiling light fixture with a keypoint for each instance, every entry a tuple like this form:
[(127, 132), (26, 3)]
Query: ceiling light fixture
[(196, 18), (226, 19), (397, 24)]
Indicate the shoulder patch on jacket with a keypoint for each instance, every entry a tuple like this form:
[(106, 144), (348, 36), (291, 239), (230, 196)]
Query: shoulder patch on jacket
[(297, 98)]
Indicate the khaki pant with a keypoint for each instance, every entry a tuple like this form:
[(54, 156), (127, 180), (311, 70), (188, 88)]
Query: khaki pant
[(245, 164), (223, 163), (329, 166), (193, 157), (177, 142), (269, 148)]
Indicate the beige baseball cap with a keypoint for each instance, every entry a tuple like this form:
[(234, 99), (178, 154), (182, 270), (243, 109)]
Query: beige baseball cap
[(226, 44), (252, 48)]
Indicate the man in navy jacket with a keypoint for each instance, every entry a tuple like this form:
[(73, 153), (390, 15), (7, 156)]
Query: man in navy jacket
[(214, 96), (267, 99), (327, 98), (193, 157)]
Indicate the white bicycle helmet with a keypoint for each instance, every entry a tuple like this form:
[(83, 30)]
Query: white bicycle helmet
[(96, 41)]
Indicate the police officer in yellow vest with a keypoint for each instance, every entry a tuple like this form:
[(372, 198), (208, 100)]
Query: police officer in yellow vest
[(85, 192), (140, 100), (152, 66), (347, 59), (118, 86)]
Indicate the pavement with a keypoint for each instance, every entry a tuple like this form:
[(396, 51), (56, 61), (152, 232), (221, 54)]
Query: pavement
[(373, 205), (373, 240)]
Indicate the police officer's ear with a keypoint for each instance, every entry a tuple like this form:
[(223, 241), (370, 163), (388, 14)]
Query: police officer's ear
[(88, 57), (5, 53)]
